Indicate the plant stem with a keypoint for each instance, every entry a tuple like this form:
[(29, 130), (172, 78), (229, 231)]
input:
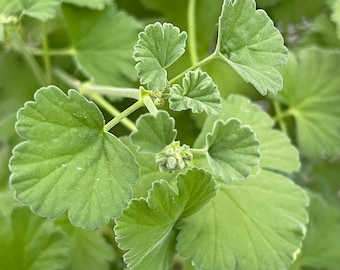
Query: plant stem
[(150, 105), (123, 115), (201, 63), (280, 116), (54, 52), (198, 151), (46, 54), (192, 32), (112, 91)]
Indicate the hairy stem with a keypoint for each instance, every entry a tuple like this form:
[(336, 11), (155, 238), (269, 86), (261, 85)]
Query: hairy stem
[(192, 41)]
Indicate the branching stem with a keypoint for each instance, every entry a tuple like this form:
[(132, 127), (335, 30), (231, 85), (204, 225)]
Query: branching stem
[(280, 116)]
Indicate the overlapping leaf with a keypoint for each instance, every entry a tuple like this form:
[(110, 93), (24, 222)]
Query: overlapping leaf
[(198, 93), (232, 150), (312, 92), (25, 244), (157, 48), (256, 224), (40, 9), (249, 42), (146, 227), (277, 153), (154, 132), (336, 15), (93, 4), (103, 43), (68, 163)]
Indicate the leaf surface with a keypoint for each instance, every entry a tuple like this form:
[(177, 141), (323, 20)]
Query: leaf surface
[(42, 10), (198, 93), (255, 224), (154, 132), (25, 245), (312, 93), (92, 4), (249, 42), (232, 150), (158, 46), (146, 227), (68, 163), (103, 43)]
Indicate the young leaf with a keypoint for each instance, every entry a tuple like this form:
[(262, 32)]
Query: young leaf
[(67, 161), (92, 4), (277, 153), (146, 227), (157, 48), (103, 43), (255, 224), (154, 132), (26, 245), (312, 93), (232, 150), (249, 42), (42, 10), (197, 93)]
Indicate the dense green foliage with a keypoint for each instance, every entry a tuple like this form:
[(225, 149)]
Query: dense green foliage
[(155, 134)]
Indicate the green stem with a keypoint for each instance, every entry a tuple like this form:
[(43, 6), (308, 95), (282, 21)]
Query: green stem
[(31, 61), (280, 116), (198, 151), (112, 91), (46, 54), (123, 115), (192, 32), (201, 63), (148, 102), (54, 52)]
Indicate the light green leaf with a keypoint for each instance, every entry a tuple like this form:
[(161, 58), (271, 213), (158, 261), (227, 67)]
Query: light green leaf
[(197, 93), (103, 44), (232, 150), (146, 227), (42, 10), (159, 46), (277, 153), (249, 42), (320, 249), (154, 132), (255, 224), (26, 245), (336, 15), (68, 163), (88, 249), (92, 4), (312, 92)]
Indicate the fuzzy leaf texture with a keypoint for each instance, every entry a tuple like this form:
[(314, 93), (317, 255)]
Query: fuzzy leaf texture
[(198, 93), (277, 153), (68, 163), (249, 42), (255, 224), (25, 245), (232, 150), (158, 46), (154, 132), (146, 227), (311, 92), (103, 43)]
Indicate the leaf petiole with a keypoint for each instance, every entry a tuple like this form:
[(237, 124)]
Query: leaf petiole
[(199, 151)]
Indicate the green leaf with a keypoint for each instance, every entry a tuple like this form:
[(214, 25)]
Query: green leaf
[(197, 93), (159, 46), (68, 163), (146, 227), (42, 10), (103, 44), (154, 132), (88, 249), (312, 93), (336, 15), (277, 153), (232, 150), (26, 245), (249, 42), (320, 250), (92, 4), (255, 224)]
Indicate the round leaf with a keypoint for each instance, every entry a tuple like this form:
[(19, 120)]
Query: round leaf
[(68, 162), (154, 132), (197, 93), (255, 224), (157, 48), (232, 150)]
